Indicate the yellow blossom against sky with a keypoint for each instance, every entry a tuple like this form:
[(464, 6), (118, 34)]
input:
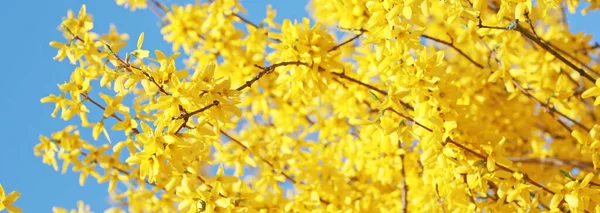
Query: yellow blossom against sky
[(371, 106)]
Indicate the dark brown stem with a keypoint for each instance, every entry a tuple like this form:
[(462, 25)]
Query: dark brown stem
[(288, 177), (342, 75), (550, 109), (404, 186), (546, 47), (347, 41), (553, 161), (439, 199), (86, 96), (525, 177), (246, 21), (267, 70), (451, 45)]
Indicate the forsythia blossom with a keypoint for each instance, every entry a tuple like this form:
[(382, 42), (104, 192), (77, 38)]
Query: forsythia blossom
[(372, 106)]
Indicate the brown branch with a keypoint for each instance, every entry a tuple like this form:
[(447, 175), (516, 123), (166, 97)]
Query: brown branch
[(451, 45), (404, 186), (129, 67), (264, 71), (342, 75), (246, 20), (464, 176), (135, 130), (481, 156), (411, 120), (585, 49), (551, 110), (525, 177), (267, 70), (347, 41), (127, 173), (159, 5), (439, 199), (552, 161), (530, 22), (543, 44), (150, 78), (563, 14), (573, 58), (188, 115), (245, 148), (156, 12)]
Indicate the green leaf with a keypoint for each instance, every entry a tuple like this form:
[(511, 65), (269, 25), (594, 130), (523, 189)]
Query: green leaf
[(564, 173), (106, 46), (68, 30), (374, 96), (479, 163)]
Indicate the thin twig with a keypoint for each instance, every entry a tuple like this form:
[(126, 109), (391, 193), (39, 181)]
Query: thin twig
[(342, 75), (137, 132), (245, 148), (540, 42), (464, 176), (525, 177), (439, 199), (246, 21), (347, 41), (481, 156), (404, 186), (86, 96), (451, 45), (264, 71), (550, 109), (267, 70), (552, 161)]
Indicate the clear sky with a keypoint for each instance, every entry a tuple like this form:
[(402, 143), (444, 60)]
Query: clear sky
[(29, 73)]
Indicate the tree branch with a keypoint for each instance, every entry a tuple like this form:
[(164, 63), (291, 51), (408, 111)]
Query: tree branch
[(551, 110), (245, 148), (451, 45), (552, 161)]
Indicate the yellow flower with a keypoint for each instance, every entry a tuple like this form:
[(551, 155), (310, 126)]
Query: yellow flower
[(496, 155), (133, 4), (79, 25), (7, 201), (114, 39), (140, 53), (593, 91), (81, 208)]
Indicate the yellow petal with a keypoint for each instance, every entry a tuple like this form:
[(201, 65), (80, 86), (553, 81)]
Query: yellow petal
[(587, 180), (407, 12), (223, 202), (556, 199), (140, 40), (572, 200), (594, 91)]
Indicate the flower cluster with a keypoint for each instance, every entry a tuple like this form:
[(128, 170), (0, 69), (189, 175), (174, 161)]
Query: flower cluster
[(421, 106)]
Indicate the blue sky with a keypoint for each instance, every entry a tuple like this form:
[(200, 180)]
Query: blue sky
[(30, 74)]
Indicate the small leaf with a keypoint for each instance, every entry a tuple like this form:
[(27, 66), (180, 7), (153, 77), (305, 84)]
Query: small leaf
[(68, 30), (479, 163), (564, 173), (374, 96), (106, 46)]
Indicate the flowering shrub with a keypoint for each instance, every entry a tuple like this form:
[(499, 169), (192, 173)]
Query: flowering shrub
[(421, 106)]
